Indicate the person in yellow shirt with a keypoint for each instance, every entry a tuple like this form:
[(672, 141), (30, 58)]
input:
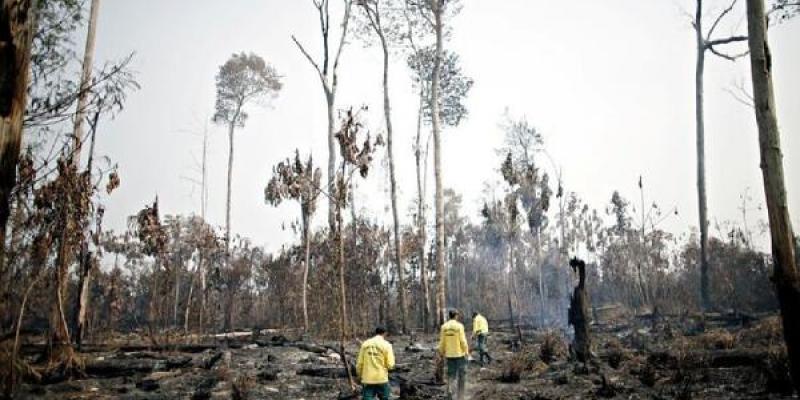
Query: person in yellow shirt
[(375, 359), (480, 328), (453, 346)]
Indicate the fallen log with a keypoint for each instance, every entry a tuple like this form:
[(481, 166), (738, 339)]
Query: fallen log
[(311, 348), (115, 367), (323, 372)]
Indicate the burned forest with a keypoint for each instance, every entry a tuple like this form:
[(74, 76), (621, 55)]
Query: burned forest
[(399, 199)]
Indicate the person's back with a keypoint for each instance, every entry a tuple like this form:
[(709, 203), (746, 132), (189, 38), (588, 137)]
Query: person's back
[(480, 328), (453, 346), (375, 359)]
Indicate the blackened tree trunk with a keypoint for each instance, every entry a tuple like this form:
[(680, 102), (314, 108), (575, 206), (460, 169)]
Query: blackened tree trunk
[(782, 237), (579, 313)]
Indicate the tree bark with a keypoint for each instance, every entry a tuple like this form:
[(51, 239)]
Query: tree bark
[(306, 267), (437, 159), (421, 223), (387, 111), (579, 314), (781, 235), (17, 28), (330, 98), (231, 127), (86, 80), (85, 259), (705, 298)]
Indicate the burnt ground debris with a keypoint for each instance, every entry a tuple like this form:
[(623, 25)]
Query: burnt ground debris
[(638, 358)]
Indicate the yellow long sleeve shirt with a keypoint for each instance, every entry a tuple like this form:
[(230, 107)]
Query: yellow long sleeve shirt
[(479, 325), (452, 340), (375, 359)]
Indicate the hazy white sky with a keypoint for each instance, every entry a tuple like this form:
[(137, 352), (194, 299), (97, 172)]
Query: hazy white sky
[(609, 83)]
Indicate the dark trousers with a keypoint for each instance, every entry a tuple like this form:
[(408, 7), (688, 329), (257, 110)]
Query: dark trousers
[(382, 391), (456, 374), (483, 350)]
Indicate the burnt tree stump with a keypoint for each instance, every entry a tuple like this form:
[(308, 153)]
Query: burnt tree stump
[(578, 313)]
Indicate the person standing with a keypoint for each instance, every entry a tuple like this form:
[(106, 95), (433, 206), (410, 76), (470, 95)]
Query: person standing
[(375, 359), (453, 347), (480, 328)]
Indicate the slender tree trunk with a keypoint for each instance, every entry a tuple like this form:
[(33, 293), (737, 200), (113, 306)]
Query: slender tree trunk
[(176, 304), (17, 28), (306, 266), (231, 127), (203, 295), (387, 111), (782, 237), (59, 334), (86, 80), (542, 296), (330, 98), (86, 256), (187, 310), (423, 271), (437, 156), (705, 298)]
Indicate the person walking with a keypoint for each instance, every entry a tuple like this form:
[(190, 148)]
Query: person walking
[(453, 347), (375, 359), (480, 328)]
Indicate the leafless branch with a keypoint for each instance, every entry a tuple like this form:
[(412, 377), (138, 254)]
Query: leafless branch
[(739, 93), (719, 18), (310, 59), (728, 57), (342, 42), (727, 40)]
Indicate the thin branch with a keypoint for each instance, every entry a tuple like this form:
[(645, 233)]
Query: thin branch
[(342, 42), (728, 57), (719, 18), (311, 60), (727, 40)]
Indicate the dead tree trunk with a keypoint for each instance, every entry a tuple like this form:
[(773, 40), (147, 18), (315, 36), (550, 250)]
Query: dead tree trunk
[(438, 8), (17, 26), (306, 267), (387, 110), (421, 222), (782, 237), (579, 313), (701, 159)]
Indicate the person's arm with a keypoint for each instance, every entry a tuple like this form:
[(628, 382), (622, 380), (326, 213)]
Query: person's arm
[(463, 339), (360, 363), (389, 357)]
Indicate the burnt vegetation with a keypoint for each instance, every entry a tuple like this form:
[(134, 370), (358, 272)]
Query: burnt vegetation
[(172, 306)]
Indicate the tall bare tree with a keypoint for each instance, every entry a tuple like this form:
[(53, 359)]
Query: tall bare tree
[(383, 22), (243, 79), (329, 79), (786, 275), (705, 42), (84, 277)]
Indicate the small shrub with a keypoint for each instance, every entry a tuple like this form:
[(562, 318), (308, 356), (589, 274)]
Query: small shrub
[(616, 353), (553, 347), (242, 386)]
